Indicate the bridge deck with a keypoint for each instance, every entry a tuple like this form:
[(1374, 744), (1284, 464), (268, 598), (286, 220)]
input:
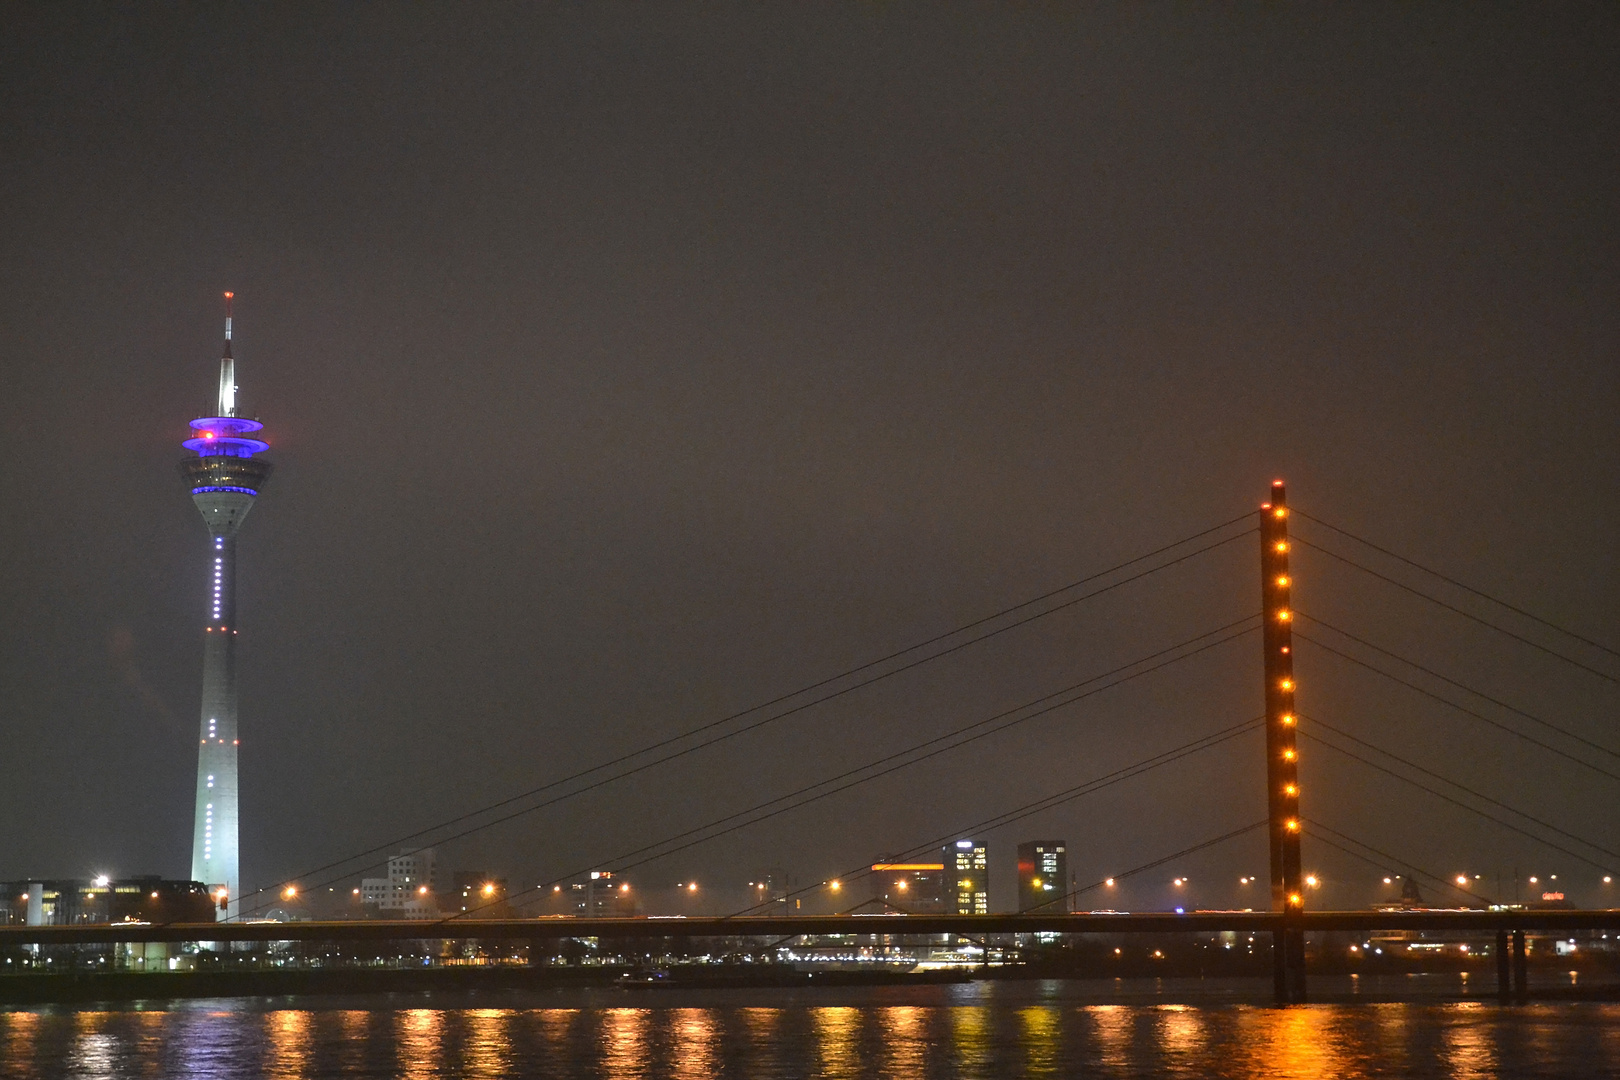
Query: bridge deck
[(1481, 922)]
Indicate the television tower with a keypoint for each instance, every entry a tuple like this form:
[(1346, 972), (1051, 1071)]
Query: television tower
[(224, 479)]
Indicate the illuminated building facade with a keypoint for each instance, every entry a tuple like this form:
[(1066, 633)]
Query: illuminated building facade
[(1043, 876), (969, 863), (917, 888), (601, 896), (225, 478), (71, 901), (410, 889)]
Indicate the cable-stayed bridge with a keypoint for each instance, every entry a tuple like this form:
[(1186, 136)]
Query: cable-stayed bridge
[(1278, 624)]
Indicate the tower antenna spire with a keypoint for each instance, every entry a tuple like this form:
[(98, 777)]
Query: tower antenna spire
[(227, 367)]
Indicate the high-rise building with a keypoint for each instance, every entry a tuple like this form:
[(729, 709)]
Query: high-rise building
[(225, 477), (917, 888), (1043, 876), (968, 864), (601, 896)]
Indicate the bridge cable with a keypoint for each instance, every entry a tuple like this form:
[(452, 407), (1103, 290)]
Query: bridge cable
[(938, 638), (1453, 581), (1461, 787), (1045, 803), (1458, 802), (1465, 614), (1313, 827), (764, 811), (1549, 725), (1077, 893), (1465, 711)]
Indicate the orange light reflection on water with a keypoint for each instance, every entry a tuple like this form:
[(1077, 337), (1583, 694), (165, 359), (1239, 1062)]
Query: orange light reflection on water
[(1111, 1026), (418, 1040), (1470, 1050), (624, 1043), (904, 1031), (487, 1049), (838, 1032), (693, 1049), (20, 1030), (1181, 1034), (287, 1044)]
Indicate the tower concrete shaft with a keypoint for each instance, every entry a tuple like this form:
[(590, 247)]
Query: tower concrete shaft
[(225, 479)]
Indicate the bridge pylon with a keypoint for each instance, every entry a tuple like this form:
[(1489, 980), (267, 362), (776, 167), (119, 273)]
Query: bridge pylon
[(1282, 749)]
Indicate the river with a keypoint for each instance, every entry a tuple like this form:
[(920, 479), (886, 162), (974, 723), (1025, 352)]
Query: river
[(1146, 1028)]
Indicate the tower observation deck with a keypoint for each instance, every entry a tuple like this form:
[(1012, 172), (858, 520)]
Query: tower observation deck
[(224, 478)]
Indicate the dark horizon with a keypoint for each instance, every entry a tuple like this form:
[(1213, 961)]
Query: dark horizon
[(624, 368)]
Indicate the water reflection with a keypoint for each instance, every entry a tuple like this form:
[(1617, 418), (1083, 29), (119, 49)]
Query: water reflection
[(150, 1029), (17, 1048), (95, 1051), (1181, 1033), (353, 1037), (1470, 1050), (1038, 1026), (838, 1041), (1293, 1042), (970, 1039), (1112, 1027), (693, 1044), (765, 1050), (419, 1037), (624, 1043), (487, 1048), (287, 1037), (905, 1044), (984, 1031)]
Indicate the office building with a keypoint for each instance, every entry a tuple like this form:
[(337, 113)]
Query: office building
[(969, 876), (601, 896), (917, 888), (1043, 876)]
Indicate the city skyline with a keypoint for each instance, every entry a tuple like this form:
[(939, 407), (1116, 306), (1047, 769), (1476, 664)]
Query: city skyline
[(620, 403)]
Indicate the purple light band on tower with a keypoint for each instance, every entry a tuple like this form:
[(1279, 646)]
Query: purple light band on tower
[(227, 425), (221, 437), (224, 487), (211, 446)]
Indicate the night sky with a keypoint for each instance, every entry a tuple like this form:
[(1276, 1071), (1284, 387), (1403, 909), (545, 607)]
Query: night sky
[(626, 365)]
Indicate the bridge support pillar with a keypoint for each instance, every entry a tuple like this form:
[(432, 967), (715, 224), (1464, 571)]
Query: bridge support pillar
[(1504, 977), (1521, 973), (1282, 749)]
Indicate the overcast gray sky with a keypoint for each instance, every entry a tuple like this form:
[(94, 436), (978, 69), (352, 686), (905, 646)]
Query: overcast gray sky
[(627, 365)]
